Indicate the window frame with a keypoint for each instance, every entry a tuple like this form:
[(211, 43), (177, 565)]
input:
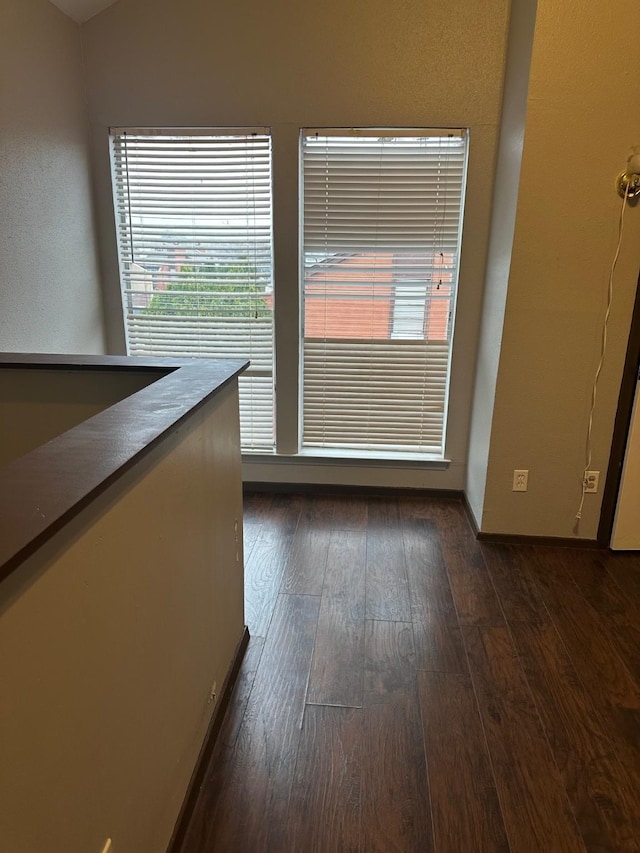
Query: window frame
[(287, 351), (436, 455), (180, 138)]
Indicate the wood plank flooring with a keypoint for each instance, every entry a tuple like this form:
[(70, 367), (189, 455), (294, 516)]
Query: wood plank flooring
[(409, 689)]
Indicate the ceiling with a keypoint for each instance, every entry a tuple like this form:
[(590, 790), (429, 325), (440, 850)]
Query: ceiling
[(82, 10)]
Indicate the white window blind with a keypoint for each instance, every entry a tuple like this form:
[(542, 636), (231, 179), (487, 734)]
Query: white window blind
[(382, 217), (193, 219)]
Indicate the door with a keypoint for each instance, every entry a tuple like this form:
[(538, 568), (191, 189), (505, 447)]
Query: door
[(626, 524)]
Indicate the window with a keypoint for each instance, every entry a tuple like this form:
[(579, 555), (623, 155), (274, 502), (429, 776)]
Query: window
[(381, 232), (381, 218), (193, 219)]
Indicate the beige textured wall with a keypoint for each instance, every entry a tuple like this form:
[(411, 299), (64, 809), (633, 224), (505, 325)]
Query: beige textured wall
[(505, 202), (579, 129), (288, 65), (112, 636), (37, 405), (50, 298)]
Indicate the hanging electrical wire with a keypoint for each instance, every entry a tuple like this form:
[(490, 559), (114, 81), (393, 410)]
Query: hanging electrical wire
[(603, 349)]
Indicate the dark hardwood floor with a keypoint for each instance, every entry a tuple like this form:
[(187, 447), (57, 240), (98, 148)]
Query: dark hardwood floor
[(409, 689)]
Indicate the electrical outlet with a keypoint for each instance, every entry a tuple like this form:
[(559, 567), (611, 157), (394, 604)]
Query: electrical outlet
[(520, 481), (591, 481)]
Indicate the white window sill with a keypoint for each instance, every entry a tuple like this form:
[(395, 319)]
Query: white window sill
[(377, 459)]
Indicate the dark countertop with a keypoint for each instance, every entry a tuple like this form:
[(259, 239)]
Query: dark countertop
[(41, 491)]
